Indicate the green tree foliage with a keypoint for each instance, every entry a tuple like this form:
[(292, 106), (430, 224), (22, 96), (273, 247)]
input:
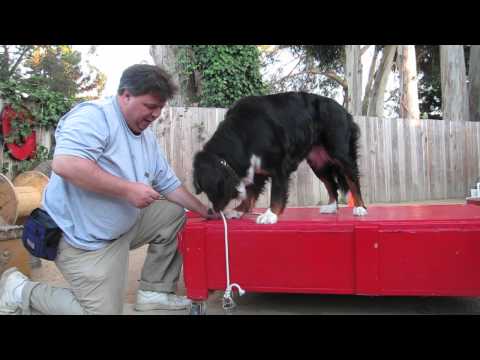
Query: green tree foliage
[(330, 59), (429, 83), (58, 68), (317, 69), (221, 74), (33, 98), (43, 82), (11, 59)]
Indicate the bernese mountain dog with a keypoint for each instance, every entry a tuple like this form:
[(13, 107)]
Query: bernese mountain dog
[(268, 136)]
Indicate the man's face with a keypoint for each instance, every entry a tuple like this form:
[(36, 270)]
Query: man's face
[(140, 111)]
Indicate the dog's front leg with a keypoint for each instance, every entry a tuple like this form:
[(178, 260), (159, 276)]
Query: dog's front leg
[(278, 201), (233, 214), (239, 211), (245, 206)]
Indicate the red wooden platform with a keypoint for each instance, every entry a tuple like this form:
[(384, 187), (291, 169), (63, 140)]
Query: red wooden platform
[(395, 250)]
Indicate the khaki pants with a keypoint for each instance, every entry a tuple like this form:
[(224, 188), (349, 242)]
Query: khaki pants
[(98, 278)]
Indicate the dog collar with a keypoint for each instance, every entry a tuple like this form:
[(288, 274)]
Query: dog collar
[(230, 169)]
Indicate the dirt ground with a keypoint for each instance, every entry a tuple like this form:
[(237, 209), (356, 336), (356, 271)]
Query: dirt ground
[(285, 304)]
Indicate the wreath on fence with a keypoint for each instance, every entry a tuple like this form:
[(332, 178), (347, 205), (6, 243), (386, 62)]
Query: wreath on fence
[(18, 134)]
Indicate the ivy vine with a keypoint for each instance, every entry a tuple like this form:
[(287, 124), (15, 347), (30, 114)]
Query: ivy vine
[(42, 109), (43, 105), (226, 72)]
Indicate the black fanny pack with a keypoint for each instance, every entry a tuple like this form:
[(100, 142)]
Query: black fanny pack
[(41, 235)]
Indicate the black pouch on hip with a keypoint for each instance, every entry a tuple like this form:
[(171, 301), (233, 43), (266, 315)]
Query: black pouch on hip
[(41, 235)]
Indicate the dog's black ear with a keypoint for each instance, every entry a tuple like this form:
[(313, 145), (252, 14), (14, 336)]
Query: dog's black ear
[(220, 188)]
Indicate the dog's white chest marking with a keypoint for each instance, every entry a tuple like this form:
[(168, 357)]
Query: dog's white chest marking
[(268, 217), (255, 166), (242, 191)]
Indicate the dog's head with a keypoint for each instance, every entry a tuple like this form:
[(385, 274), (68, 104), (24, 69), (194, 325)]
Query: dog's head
[(216, 179)]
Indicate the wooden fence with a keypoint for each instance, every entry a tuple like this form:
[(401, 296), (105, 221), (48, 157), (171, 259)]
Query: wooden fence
[(400, 159)]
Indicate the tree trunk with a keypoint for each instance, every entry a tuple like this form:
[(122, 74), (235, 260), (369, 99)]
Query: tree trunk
[(165, 56), (474, 85), (377, 100), (353, 67), (407, 66), (368, 87), (454, 83)]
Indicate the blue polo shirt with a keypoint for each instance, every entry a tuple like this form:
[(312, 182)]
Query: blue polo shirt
[(97, 131)]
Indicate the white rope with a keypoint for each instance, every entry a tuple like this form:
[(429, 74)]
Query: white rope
[(228, 302)]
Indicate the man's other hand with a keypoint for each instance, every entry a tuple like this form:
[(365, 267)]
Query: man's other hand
[(141, 195)]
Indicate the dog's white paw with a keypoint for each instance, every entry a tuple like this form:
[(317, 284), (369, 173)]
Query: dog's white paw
[(359, 211), (268, 217), (329, 209), (233, 214)]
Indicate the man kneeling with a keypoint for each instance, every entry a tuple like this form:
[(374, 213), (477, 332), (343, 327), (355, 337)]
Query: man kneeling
[(105, 195)]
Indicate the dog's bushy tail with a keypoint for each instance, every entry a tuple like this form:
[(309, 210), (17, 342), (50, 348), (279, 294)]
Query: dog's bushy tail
[(354, 137)]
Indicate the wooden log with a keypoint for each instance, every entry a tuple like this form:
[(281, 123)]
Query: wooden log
[(20, 197)]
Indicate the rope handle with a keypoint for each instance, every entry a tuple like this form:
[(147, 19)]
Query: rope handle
[(228, 303)]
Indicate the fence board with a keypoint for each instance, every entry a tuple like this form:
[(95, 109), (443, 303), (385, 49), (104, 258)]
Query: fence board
[(409, 194), (381, 160), (401, 152), (363, 157), (395, 167), (422, 169), (371, 175)]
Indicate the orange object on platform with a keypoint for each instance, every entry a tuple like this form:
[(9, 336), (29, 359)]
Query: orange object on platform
[(350, 202), (418, 250)]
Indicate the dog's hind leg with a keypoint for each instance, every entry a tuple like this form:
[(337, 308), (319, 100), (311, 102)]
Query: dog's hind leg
[(349, 169), (278, 200), (325, 175), (359, 206)]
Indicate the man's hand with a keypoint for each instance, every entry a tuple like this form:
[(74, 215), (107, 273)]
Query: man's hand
[(89, 176), (183, 197), (212, 215), (141, 195)]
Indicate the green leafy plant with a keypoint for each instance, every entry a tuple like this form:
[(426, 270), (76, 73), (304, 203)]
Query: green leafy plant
[(221, 74), (42, 108), (43, 105), (43, 82)]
